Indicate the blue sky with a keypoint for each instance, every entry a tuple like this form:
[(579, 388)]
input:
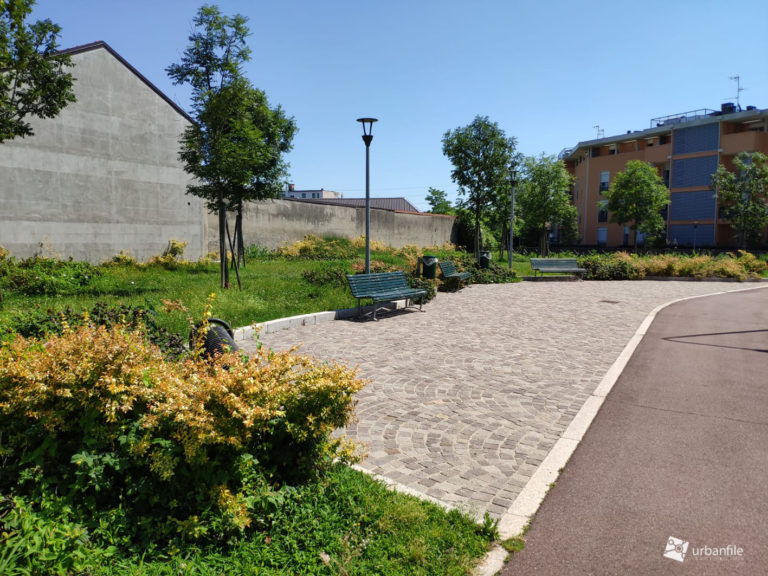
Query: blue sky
[(546, 72)]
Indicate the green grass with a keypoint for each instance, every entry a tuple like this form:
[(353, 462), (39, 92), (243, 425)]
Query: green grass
[(345, 523), (272, 288)]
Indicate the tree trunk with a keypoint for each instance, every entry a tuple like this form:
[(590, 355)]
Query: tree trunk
[(477, 232), (543, 242), (223, 244), (239, 243)]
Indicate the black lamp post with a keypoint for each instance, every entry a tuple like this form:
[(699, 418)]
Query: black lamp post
[(367, 137), (512, 184)]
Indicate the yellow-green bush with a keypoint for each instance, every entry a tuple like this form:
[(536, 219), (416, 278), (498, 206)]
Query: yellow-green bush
[(99, 414)]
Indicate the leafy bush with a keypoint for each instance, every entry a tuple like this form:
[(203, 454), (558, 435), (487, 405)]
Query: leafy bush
[(172, 257), (37, 323), (609, 267), (169, 449), (37, 275), (315, 248), (623, 266), (44, 539), (494, 274), (328, 275)]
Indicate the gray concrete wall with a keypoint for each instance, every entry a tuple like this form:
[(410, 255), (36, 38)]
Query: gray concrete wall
[(101, 177), (276, 223)]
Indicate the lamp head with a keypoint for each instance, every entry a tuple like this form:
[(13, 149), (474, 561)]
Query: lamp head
[(367, 129)]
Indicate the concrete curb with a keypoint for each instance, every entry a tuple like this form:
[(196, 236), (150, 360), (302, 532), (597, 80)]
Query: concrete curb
[(522, 510), (249, 332)]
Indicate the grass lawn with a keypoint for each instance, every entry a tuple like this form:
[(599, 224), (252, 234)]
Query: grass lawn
[(273, 287), (342, 522)]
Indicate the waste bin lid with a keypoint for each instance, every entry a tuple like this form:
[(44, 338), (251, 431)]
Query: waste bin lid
[(429, 259)]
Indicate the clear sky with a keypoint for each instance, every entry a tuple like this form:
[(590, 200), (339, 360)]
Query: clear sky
[(547, 72)]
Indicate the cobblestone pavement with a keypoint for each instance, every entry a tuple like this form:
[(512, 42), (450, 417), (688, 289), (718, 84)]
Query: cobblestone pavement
[(467, 398)]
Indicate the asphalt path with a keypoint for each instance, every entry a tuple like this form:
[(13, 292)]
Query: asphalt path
[(672, 476)]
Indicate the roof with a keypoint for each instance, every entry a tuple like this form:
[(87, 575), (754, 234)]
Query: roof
[(393, 204), (99, 44), (664, 128)]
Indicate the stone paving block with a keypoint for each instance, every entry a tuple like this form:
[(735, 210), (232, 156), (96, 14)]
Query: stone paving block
[(473, 394)]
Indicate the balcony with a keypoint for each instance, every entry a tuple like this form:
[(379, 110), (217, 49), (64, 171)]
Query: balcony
[(750, 141)]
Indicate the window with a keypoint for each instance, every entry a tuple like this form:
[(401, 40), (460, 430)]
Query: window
[(303, 194), (602, 236), (602, 211), (605, 178)]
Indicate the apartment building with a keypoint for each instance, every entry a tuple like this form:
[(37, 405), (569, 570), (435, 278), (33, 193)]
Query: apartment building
[(291, 192), (686, 149)]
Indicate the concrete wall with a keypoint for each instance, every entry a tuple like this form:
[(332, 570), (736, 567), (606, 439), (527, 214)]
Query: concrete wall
[(101, 177), (276, 223)]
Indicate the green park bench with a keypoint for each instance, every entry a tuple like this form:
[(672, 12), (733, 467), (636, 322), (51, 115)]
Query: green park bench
[(556, 266), (383, 287), (450, 273)]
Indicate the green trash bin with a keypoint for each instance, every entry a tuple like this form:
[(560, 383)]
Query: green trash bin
[(429, 267), (485, 260)]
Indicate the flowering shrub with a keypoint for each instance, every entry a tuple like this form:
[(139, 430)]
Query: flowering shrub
[(624, 266), (315, 248), (99, 414)]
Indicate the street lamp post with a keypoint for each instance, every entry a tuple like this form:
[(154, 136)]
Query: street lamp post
[(512, 183), (367, 137)]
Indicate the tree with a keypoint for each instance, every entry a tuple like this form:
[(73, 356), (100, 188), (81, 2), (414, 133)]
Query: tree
[(744, 195), (438, 202), (235, 148), (33, 76), (544, 199), (636, 197), (481, 155)]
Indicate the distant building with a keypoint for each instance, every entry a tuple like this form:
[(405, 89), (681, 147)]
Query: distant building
[(686, 149), (291, 192), (392, 204)]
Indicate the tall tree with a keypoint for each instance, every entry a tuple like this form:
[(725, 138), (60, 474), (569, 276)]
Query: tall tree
[(544, 198), (481, 155), (636, 197), (744, 196), (33, 77), (438, 202), (235, 147)]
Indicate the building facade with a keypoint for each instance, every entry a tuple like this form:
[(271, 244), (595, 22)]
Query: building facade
[(686, 149), (104, 175), (291, 192)]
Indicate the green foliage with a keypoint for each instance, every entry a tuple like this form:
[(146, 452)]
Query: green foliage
[(494, 274), (543, 198), (36, 323), (44, 539), (33, 77), (636, 197), (315, 248), (481, 155), (438, 202), (166, 448), (623, 266), (327, 275), (416, 281), (744, 195), (607, 267), (38, 275)]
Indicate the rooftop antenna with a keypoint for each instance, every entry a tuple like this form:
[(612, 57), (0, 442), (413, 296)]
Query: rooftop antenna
[(600, 131), (739, 90)]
